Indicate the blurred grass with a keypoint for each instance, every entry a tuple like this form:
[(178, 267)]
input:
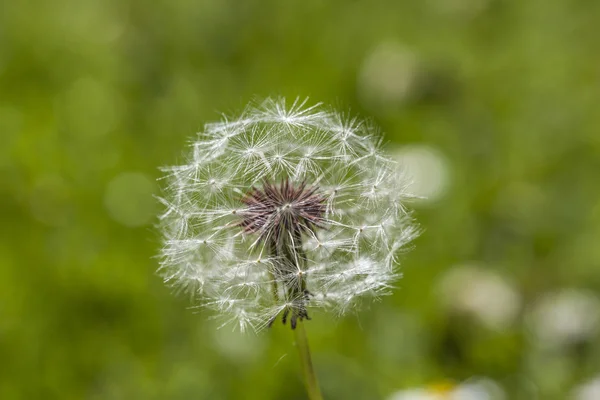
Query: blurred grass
[(95, 95)]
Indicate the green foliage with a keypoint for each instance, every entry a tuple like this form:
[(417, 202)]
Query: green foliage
[(96, 95)]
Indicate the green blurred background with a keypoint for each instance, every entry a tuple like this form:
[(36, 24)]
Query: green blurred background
[(493, 105)]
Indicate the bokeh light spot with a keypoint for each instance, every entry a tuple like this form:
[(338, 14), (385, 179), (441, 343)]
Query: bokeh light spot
[(482, 294), (566, 317), (588, 391), (428, 170), (387, 77)]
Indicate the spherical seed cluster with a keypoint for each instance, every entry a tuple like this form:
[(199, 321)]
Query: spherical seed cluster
[(283, 209)]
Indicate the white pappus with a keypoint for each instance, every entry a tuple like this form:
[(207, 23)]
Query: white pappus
[(285, 208)]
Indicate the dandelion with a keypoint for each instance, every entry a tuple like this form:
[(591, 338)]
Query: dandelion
[(283, 209)]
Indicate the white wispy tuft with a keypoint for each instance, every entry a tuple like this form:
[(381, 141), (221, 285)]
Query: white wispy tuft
[(223, 230)]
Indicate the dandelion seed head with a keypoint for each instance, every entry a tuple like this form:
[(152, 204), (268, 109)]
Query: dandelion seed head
[(286, 207)]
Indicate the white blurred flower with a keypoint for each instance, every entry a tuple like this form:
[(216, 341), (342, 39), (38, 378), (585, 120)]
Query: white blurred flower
[(587, 391), (283, 208), (416, 394), (472, 389), (565, 317), (428, 170), (481, 293), (388, 76)]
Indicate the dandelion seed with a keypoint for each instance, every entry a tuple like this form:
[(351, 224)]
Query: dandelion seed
[(283, 209)]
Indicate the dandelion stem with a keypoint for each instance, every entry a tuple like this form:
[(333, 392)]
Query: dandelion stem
[(310, 378)]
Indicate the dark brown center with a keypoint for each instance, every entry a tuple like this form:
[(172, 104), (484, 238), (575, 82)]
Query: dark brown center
[(281, 215)]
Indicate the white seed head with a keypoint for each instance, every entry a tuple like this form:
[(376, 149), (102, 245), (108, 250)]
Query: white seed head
[(285, 208)]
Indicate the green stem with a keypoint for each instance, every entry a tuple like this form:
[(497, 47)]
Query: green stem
[(310, 378)]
